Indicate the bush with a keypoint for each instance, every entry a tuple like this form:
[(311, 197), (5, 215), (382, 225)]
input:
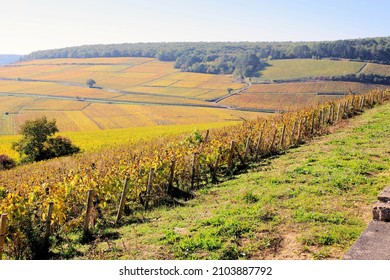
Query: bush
[(36, 144), (6, 162)]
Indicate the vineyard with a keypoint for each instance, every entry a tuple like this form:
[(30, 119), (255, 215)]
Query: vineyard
[(138, 92), (304, 68), (79, 194), (130, 92), (97, 140), (294, 96)]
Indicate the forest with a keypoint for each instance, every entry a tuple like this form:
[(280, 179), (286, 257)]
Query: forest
[(241, 58)]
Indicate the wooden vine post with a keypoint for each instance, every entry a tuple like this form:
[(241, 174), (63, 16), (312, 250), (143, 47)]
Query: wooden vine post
[(282, 138), (258, 144), (362, 103), (89, 205), (247, 147), (149, 187), (48, 220), (3, 226), (292, 138), (193, 172), (330, 116), (299, 131), (338, 112), (319, 120), (312, 124), (273, 140), (123, 199), (171, 175), (230, 158), (216, 166)]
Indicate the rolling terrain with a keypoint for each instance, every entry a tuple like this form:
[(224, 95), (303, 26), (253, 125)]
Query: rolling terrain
[(130, 92)]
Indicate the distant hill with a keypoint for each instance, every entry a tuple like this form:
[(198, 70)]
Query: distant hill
[(9, 58), (241, 58)]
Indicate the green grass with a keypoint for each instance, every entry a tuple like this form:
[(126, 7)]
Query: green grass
[(286, 69), (310, 203)]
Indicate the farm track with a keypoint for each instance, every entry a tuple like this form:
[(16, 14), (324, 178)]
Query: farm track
[(247, 85), (362, 69)]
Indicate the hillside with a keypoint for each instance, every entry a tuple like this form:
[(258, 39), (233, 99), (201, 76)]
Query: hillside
[(309, 203), (161, 172)]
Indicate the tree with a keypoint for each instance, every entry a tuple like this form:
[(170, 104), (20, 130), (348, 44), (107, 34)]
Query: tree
[(36, 144), (90, 83)]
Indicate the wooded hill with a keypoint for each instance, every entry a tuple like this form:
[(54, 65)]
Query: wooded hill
[(242, 58)]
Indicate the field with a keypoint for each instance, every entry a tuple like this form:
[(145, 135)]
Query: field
[(286, 69), (276, 101), (94, 141), (144, 92), (292, 96), (126, 74), (313, 87), (379, 69), (130, 92)]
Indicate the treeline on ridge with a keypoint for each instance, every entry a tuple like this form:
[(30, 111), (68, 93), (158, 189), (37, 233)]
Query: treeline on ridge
[(241, 58)]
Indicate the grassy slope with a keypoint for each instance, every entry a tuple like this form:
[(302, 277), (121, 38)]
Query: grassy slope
[(310, 203)]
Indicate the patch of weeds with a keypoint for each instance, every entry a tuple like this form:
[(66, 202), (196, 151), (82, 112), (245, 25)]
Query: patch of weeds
[(343, 183), (301, 216), (275, 181), (323, 254), (234, 229), (215, 221), (171, 237), (249, 197), (203, 241), (340, 234)]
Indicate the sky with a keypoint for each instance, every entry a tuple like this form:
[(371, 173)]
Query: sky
[(30, 25)]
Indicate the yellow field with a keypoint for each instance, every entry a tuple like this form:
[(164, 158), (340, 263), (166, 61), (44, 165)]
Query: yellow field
[(86, 116), (130, 74), (93, 141), (144, 85)]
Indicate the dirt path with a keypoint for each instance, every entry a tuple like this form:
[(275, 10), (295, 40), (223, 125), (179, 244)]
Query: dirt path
[(247, 85), (362, 68)]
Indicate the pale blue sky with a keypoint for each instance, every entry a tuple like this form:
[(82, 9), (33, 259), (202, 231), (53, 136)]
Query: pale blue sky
[(29, 25)]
